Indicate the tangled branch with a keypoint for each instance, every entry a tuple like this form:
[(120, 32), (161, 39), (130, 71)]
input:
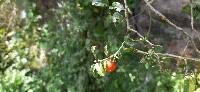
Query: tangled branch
[(169, 22), (126, 14), (163, 17)]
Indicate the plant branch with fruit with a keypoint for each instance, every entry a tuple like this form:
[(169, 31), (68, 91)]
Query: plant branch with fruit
[(108, 64)]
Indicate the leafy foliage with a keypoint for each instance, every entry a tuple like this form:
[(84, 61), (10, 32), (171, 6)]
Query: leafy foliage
[(54, 50)]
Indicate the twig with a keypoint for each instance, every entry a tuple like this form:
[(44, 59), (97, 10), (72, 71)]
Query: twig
[(192, 19), (191, 14), (147, 53), (192, 25), (183, 53), (141, 36), (150, 18), (166, 19), (162, 16), (194, 45), (186, 46), (126, 14), (168, 55), (115, 54), (128, 25), (171, 23)]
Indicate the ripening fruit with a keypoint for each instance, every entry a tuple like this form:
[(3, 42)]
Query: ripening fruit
[(110, 66)]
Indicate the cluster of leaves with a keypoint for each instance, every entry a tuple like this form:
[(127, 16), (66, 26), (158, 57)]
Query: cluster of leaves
[(143, 70), (54, 55)]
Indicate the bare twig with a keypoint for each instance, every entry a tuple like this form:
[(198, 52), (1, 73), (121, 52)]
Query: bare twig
[(192, 19), (184, 50), (162, 16), (115, 54), (168, 55), (154, 53), (126, 14), (172, 24), (194, 45), (150, 18), (191, 14), (128, 25)]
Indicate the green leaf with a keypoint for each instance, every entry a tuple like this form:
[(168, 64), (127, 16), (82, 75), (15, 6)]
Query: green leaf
[(101, 3), (2, 31), (147, 66), (186, 9), (117, 6), (116, 17)]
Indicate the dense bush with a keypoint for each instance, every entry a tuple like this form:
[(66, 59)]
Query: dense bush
[(51, 47)]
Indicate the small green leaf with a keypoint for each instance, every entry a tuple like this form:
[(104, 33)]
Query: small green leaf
[(117, 6), (116, 17), (2, 31), (186, 9), (101, 3), (147, 66)]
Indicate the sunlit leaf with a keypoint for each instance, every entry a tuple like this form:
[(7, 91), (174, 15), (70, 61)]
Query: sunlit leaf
[(116, 17), (117, 6), (101, 3)]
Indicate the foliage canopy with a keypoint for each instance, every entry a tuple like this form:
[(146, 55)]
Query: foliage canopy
[(57, 46)]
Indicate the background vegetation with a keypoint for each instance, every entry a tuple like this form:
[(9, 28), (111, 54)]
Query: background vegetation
[(51, 47)]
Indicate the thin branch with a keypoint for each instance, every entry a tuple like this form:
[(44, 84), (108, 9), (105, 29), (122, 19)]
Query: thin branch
[(141, 36), (150, 19), (162, 16), (191, 14), (184, 50), (126, 14), (194, 45), (128, 25), (166, 19), (192, 19), (148, 53), (192, 25), (115, 54), (168, 55), (172, 24)]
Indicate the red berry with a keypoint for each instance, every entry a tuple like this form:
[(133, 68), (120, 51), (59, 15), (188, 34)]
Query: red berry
[(110, 66)]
